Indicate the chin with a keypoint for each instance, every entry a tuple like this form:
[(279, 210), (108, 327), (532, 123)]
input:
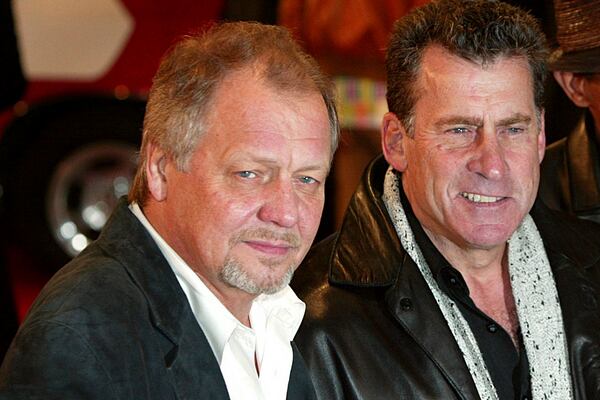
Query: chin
[(271, 281), (489, 238)]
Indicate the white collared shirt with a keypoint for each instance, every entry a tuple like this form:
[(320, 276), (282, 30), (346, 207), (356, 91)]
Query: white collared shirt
[(275, 319)]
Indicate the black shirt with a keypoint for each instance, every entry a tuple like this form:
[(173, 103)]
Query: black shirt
[(508, 368)]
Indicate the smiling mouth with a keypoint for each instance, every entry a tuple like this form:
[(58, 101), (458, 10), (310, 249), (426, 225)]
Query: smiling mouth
[(480, 198)]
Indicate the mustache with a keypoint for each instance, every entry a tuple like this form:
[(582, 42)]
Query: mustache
[(290, 239)]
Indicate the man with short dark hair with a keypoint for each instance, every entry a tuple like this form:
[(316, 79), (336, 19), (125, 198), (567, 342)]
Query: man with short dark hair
[(185, 294), (447, 279), (570, 179)]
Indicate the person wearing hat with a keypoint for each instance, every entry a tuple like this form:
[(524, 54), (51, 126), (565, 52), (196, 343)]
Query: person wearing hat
[(570, 178)]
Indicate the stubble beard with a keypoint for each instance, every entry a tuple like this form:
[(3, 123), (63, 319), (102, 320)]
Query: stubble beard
[(234, 275)]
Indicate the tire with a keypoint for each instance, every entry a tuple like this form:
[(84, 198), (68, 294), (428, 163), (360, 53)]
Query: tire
[(63, 166)]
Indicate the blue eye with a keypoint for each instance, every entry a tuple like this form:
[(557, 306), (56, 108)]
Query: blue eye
[(308, 180), (246, 174), (515, 130)]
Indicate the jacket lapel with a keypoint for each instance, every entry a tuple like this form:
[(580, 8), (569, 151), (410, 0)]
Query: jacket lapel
[(414, 307), (187, 354)]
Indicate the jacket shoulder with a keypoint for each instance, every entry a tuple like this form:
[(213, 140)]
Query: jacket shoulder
[(93, 285), (62, 346), (50, 360)]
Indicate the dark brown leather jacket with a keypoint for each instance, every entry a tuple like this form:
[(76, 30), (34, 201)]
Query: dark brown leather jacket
[(373, 330), (570, 179)]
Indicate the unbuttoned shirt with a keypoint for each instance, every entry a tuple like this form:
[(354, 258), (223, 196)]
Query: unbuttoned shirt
[(507, 366), (275, 319)]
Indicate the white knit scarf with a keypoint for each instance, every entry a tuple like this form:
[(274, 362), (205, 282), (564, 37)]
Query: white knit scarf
[(536, 301)]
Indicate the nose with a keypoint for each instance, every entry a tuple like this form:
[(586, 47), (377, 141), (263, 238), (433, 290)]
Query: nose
[(281, 205), (488, 159)]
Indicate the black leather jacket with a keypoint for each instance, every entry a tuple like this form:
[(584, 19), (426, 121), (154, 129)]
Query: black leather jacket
[(570, 178), (373, 330)]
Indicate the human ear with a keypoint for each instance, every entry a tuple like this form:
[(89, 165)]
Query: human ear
[(574, 87), (393, 137), (155, 172)]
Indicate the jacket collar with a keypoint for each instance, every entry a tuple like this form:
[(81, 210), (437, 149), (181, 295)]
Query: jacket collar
[(367, 251), (125, 238), (189, 357), (583, 166)]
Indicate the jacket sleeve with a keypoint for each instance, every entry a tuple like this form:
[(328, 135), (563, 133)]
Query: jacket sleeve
[(40, 365)]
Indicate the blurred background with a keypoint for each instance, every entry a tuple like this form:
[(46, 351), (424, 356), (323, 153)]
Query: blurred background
[(73, 80)]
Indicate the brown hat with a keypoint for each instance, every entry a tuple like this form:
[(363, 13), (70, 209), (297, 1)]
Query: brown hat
[(578, 35)]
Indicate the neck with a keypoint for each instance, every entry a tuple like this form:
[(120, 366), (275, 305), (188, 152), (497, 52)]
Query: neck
[(476, 262), (494, 297), (485, 272), (235, 300), (240, 308)]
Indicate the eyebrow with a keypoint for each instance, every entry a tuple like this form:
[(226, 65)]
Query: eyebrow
[(478, 122), (274, 163), (515, 119)]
